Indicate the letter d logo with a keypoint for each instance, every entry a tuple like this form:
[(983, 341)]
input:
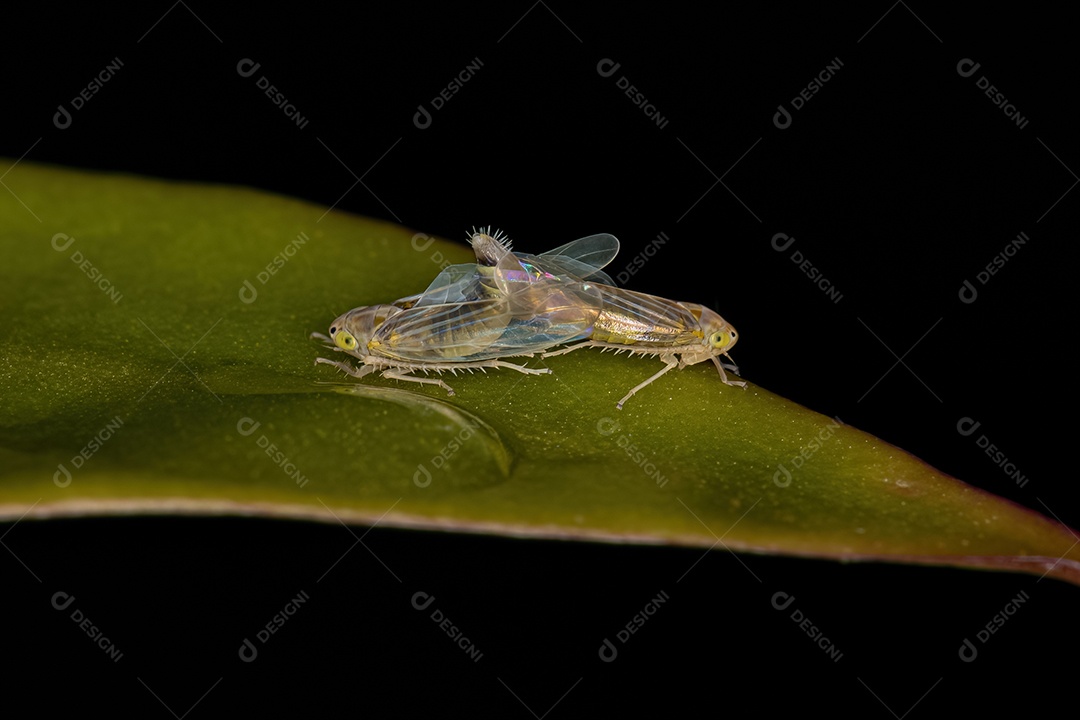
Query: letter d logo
[(62, 118), (422, 477), (968, 293), (967, 67), (607, 67), (62, 601), (422, 601), (422, 118), (782, 601), (245, 426), (62, 477), (966, 426), (248, 651), (248, 293), (782, 477), (782, 118), (781, 242), (246, 68), (607, 426)]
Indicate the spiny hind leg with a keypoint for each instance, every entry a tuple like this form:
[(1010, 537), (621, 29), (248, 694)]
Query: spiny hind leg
[(520, 368), (404, 375), (668, 364), (563, 351)]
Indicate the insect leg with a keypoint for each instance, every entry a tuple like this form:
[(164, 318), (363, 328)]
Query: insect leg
[(729, 365), (669, 362), (723, 375), (342, 365), (563, 351), (404, 375), (519, 368)]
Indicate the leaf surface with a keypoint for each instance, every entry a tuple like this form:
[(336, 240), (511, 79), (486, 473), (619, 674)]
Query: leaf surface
[(155, 359)]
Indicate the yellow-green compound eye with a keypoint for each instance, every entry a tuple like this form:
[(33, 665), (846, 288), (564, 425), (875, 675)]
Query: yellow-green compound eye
[(344, 340), (722, 339)]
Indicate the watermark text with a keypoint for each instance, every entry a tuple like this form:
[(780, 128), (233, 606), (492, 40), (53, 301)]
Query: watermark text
[(638, 261), (248, 292), (781, 242), (248, 67), (968, 67), (968, 291), (967, 427), (608, 650), (782, 601), (61, 242), (62, 477), (62, 119), (782, 119), (422, 118), (62, 601), (608, 67), (968, 650), (248, 650), (422, 601), (246, 427)]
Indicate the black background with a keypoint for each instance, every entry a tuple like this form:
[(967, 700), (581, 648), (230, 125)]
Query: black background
[(899, 180)]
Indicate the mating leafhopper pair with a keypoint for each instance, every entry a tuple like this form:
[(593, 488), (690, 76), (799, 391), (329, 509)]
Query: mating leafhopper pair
[(511, 304)]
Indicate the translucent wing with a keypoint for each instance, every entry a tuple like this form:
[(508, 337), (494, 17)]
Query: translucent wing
[(595, 250), (582, 258), (482, 329), (456, 283), (531, 290), (533, 283), (437, 333), (544, 294), (646, 319)]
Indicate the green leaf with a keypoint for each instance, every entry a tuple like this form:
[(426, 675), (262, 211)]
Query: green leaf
[(155, 358)]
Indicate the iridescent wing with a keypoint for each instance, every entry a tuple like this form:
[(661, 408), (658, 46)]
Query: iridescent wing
[(535, 284), (482, 329), (583, 258), (531, 290), (529, 281)]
